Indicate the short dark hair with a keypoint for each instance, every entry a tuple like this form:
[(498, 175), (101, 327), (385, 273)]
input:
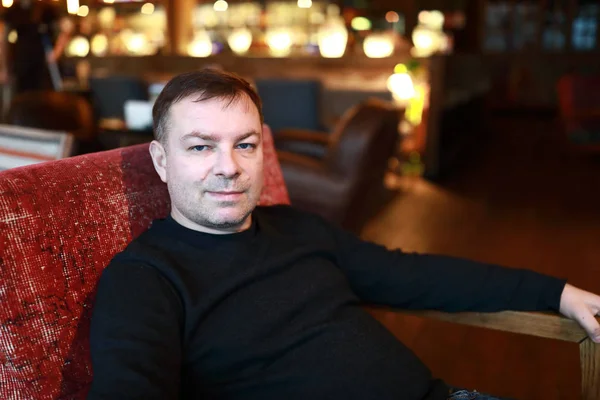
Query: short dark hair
[(208, 83)]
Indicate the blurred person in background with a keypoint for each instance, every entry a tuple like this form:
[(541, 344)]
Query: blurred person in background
[(27, 57)]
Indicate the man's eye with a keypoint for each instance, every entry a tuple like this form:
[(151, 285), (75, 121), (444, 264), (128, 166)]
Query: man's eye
[(246, 146), (200, 147)]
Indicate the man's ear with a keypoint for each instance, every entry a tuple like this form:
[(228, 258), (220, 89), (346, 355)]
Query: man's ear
[(159, 159)]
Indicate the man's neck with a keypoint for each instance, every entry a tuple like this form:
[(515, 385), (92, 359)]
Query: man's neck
[(181, 220)]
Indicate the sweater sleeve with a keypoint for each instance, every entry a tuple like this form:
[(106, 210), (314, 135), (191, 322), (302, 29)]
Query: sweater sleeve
[(135, 338), (419, 281)]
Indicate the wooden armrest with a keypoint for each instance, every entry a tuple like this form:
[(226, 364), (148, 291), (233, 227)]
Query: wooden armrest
[(547, 325)]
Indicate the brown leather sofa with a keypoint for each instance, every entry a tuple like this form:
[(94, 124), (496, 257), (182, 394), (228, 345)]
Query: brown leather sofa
[(340, 175), (58, 111)]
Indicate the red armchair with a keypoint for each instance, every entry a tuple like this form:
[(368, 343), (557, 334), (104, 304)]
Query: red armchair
[(60, 224)]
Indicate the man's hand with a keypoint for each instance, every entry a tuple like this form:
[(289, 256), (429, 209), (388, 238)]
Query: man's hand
[(582, 307)]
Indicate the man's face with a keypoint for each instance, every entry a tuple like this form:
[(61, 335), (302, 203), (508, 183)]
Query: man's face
[(212, 162)]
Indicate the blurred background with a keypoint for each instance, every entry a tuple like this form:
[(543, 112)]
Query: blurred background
[(466, 127)]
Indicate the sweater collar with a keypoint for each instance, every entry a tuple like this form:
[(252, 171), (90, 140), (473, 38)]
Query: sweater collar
[(172, 228)]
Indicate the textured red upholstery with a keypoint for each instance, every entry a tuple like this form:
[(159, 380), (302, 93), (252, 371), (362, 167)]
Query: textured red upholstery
[(61, 222)]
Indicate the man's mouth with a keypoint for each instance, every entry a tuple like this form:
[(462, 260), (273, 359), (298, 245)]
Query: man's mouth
[(226, 195)]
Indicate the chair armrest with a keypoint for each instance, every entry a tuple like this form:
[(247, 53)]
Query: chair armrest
[(303, 134), (547, 325), (312, 186), (302, 141), (311, 176), (540, 324)]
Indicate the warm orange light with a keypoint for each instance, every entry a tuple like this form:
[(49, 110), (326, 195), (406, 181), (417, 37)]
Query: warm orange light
[(13, 36), (83, 11), (72, 6), (332, 38), (239, 40), (378, 45), (147, 8), (220, 5), (279, 42), (392, 16)]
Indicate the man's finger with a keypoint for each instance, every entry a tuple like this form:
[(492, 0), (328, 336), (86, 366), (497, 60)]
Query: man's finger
[(590, 324)]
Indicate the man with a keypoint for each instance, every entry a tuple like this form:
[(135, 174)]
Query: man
[(28, 57), (227, 300)]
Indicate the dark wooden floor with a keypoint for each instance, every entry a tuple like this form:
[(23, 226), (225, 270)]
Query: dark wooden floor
[(519, 200)]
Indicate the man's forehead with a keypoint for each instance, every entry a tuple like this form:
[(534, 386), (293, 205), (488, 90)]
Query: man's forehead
[(191, 119), (195, 104)]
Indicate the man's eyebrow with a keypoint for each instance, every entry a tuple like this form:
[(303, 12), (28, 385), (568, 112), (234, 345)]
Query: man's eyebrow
[(247, 135), (197, 134), (214, 138)]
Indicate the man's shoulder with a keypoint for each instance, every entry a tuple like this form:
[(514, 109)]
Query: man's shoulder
[(147, 248)]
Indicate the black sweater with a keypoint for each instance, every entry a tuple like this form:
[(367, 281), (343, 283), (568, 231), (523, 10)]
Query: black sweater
[(275, 312)]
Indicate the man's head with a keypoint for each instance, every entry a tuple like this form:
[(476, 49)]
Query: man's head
[(208, 149)]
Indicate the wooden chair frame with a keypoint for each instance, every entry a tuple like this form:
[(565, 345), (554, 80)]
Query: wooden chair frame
[(539, 324)]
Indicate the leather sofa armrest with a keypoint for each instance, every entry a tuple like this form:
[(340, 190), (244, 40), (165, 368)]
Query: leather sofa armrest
[(303, 134), (302, 141), (312, 186)]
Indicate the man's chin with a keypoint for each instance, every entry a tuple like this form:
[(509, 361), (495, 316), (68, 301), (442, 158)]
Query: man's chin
[(226, 220)]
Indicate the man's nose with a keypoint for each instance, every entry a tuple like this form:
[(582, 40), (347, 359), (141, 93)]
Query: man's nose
[(226, 164)]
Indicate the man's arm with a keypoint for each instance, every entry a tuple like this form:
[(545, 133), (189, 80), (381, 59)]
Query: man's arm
[(415, 281), (135, 337), (65, 30), (419, 281)]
